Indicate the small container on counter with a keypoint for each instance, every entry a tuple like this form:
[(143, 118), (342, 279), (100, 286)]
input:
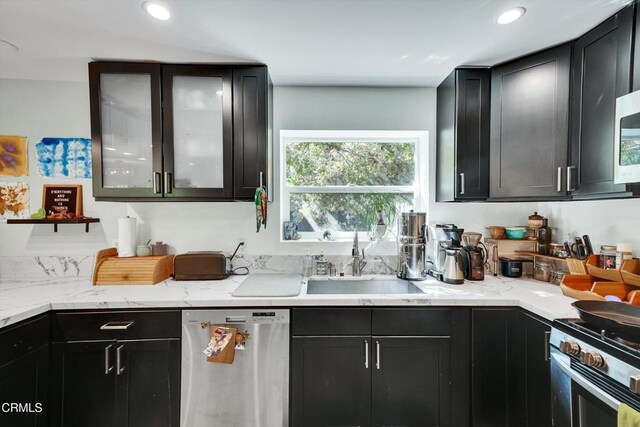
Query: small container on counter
[(556, 249), (556, 277), (623, 253), (143, 250), (322, 265), (543, 270), (159, 248), (607, 257)]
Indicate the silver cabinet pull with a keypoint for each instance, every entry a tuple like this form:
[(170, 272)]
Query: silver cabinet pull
[(167, 182), (156, 182), (119, 366), (377, 355), (261, 183), (107, 364), (547, 355), (462, 183), (569, 174), (366, 354), (117, 326), (559, 185)]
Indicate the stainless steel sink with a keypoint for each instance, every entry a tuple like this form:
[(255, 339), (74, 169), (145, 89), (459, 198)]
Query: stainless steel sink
[(376, 286)]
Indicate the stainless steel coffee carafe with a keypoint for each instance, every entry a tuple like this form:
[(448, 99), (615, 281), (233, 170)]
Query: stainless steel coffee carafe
[(412, 238), (453, 273)]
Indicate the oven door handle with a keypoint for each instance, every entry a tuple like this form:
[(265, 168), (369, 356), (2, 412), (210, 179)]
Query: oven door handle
[(584, 382)]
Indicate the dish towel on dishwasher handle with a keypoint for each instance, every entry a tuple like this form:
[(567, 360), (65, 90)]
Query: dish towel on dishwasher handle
[(627, 416)]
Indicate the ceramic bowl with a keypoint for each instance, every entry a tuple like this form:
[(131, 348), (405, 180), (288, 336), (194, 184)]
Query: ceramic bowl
[(515, 233), (496, 232)]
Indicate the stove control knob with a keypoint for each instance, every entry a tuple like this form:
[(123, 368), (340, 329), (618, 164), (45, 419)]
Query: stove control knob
[(634, 384), (592, 359), (569, 347)]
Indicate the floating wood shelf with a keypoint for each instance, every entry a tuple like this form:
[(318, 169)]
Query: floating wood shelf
[(55, 222), (537, 255)]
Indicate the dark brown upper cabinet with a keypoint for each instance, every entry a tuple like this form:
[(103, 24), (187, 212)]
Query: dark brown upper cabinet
[(179, 132), (252, 108), (463, 107), (601, 72), (530, 126)]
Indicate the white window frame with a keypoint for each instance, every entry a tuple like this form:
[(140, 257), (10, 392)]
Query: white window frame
[(420, 139)]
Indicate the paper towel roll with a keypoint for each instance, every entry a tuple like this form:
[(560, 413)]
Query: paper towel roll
[(127, 237)]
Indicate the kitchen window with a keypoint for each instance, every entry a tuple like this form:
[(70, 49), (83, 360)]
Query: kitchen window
[(335, 182)]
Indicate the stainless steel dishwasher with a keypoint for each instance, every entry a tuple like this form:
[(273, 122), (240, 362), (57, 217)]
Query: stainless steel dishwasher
[(253, 391)]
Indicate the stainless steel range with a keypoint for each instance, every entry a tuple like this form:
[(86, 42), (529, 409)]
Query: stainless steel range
[(593, 372)]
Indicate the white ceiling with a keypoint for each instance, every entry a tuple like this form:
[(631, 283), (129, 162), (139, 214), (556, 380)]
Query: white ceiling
[(304, 42)]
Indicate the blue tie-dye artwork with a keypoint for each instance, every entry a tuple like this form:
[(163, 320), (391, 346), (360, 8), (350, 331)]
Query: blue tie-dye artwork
[(64, 157)]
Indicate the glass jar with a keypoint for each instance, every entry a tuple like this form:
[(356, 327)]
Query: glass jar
[(607, 257), (623, 253), (322, 265), (543, 270)]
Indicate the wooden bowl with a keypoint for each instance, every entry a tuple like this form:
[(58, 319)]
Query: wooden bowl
[(496, 232)]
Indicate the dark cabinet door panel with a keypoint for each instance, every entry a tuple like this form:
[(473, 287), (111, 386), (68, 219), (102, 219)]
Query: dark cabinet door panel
[(529, 125), (25, 381), (250, 121), (410, 381), (493, 372), (148, 383), (472, 139), (83, 384), (463, 108), (601, 73), (538, 370), (331, 381)]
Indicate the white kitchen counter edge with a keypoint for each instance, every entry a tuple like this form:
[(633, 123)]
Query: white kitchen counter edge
[(23, 299)]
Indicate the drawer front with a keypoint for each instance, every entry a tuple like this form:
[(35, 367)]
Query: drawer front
[(410, 321), (120, 325), (18, 340), (331, 321)]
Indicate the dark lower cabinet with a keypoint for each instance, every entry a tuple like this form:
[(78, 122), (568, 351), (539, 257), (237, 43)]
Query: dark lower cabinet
[(416, 374), (24, 374), (331, 381), (511, 371), (127, 376), (83, 384), (410, 381)]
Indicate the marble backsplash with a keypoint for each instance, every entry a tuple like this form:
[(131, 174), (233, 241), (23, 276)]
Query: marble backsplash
[(81, 266)]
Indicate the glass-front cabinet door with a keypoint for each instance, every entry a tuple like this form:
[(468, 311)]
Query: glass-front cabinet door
[(198, 138), (126, 130)]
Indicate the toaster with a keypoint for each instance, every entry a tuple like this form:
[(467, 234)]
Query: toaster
[(200, 266)]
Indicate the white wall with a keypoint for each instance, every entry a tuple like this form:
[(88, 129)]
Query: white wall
[(46, 108)]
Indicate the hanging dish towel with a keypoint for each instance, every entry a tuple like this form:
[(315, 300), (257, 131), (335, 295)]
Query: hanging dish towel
[(261, 208), (627, 416)]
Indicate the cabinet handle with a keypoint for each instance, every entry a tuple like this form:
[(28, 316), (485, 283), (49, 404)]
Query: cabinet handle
[(377, 355), (559, 186), (547, 355), (261, 183), (167, 182), (462, 183), (569, 174), (107, 364), (156, 182), (366, 354), (111, 326), (119, 366)]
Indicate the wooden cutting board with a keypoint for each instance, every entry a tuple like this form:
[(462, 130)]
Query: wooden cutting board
[(148, 270)]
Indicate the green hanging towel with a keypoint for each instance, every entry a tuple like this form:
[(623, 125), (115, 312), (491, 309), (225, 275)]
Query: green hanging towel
[(261, 208)]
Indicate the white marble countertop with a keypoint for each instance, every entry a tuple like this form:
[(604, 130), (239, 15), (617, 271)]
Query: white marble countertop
[(20, 300)]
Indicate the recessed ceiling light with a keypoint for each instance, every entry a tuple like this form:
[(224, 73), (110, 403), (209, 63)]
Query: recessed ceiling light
[(110, 148), (126, 154), (157, 10), (219, 92), (141, 158), (8, 46), (511, 15)]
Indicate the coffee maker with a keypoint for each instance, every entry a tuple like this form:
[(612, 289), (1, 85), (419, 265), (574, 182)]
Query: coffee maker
[(412, 238), (474, 256), (444, 256)]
